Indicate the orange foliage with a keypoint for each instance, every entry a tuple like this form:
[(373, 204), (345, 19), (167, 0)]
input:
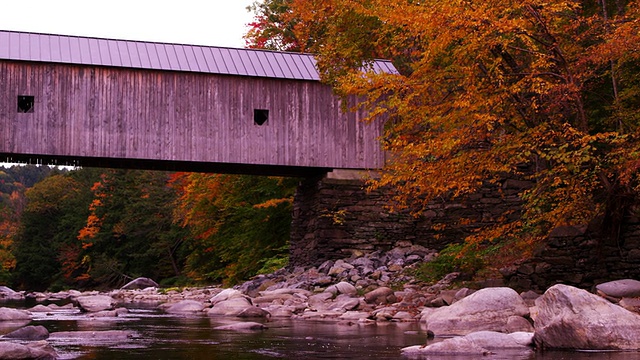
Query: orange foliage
[(487, 88)]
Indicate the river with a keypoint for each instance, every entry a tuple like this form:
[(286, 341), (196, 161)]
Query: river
[(162, 336)]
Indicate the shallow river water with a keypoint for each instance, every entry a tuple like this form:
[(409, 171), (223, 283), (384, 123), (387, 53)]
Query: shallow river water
[(161, 336)]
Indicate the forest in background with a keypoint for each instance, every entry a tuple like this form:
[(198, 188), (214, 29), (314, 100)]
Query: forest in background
[(99, 228)]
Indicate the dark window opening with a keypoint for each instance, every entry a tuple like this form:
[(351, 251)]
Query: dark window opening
[(260, 116), (25, 103)]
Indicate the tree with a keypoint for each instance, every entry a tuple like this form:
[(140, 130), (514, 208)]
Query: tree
[(487, 89), (239, 224), (271, 28), (48, 225), (129, 231)]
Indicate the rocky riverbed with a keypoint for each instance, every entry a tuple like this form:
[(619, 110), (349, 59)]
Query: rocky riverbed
[(363, 290)]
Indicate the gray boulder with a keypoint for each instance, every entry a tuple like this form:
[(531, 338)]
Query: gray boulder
[(33, 350), (487, 309), (342, 287), (95, 303), (29, 333), (9, 314), (231, 307), (10, 294), (224, 295), (185, 306), (628, 288), (571, 318), (477, 343), (454, 346), (381, 295), (140, 283), (254, 312)]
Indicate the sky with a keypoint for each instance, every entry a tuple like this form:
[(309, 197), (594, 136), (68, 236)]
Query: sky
[(193, 22)]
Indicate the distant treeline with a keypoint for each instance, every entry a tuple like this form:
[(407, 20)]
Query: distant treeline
[(97, 228)]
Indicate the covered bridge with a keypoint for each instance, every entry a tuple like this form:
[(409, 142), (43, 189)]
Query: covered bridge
[(72, 100)]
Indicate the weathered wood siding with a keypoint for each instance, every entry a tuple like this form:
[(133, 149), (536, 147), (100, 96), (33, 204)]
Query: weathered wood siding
[(106, 112)]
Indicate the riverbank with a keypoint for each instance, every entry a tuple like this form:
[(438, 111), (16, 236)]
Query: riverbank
[(373, 289)]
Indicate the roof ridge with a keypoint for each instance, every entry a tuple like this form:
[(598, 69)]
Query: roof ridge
[(85, 50)]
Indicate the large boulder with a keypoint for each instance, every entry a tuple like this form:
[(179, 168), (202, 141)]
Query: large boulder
[(10, 294), (30, 332), (381, 295), (231, 307), (185, 307), (490, 309), (95, 303), (571, 318), (140, 283), (625, 288), (9, 314), (225, 295), (478, 343), (342, 287), (34, 350)]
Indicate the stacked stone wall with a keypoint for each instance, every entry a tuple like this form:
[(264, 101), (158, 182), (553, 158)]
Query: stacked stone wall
[(334, 218), (577, 256)]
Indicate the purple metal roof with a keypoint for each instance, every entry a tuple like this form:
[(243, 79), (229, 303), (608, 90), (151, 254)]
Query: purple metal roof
[(158, 56)]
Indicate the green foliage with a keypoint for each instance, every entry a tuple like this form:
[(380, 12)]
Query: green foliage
[(454, 258), (55, 211), (239, 224)]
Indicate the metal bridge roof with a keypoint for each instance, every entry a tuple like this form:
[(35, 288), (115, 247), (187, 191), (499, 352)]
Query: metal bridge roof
[(160, 56)]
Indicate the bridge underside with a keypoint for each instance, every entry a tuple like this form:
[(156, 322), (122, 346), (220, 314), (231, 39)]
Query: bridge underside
[(165, 165)]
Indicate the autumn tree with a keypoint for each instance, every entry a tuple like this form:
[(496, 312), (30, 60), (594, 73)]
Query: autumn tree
[(54, 213), (239, 224), (272, 27), (129, 231), (545, 90)]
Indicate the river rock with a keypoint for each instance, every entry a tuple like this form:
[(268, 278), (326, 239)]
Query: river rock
[(140, 283), (185, 306), (342, 287), (571, 318), (105, 335), (344, 303), (477, 343), (631, 304), (33, 350), (253, 312), (230, 307), (242, 326), (29, 333), (620, 288), (487, 309), (454, 346), (320, 301), (495, 340), (95, 303), (9, 314), (10, 294), (381, 295), (225, 295)]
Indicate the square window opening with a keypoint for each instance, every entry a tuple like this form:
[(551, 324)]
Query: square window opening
[(25, 103), (260, 116)]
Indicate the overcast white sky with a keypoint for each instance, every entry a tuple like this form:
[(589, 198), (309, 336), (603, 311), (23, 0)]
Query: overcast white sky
[(196, 22)]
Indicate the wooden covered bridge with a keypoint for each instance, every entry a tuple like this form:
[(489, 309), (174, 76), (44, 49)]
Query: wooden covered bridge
[(71, 100)]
